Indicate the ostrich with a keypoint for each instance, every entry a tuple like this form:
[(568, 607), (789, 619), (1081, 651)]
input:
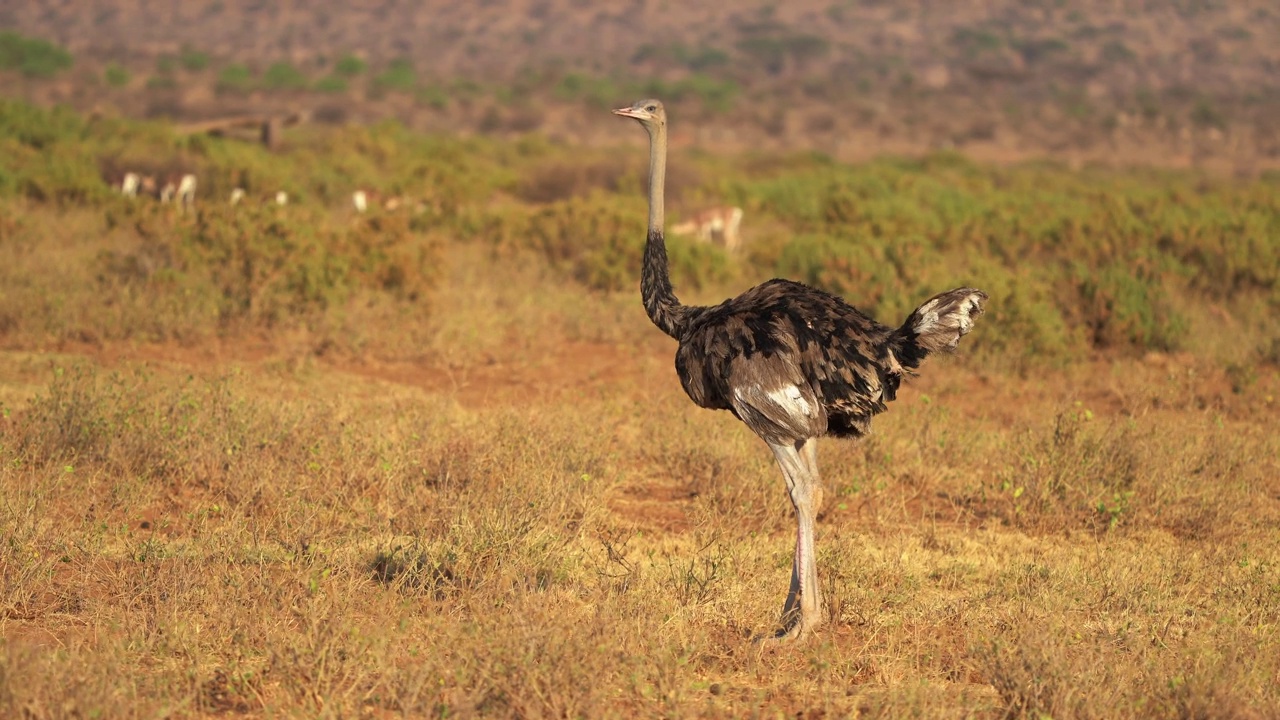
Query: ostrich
[(791, 362)]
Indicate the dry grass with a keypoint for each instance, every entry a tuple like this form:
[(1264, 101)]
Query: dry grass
[(528, 519)]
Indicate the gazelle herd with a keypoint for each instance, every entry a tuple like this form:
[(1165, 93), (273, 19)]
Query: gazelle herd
[(716, 225), (181, 189), (170, 187)]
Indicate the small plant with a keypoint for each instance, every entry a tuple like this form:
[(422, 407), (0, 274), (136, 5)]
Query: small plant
[(193, 60), (32, 57), (399, 77), (432, 96), (1205, 114), (115, 75), (283, 76), (694, 581), (235, 78), (349, 66), (331, 84)]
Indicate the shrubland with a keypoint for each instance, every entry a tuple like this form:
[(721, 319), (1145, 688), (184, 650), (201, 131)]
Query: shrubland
[(298, 461), (1099, 260)]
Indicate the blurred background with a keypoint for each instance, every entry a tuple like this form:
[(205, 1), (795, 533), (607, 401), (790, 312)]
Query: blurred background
[(1168, 82)]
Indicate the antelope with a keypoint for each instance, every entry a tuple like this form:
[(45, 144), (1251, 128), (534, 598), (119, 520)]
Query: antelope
[(717, 225), (362, 199), (129, 184), (179, 187), (187, 191), (125, 183)]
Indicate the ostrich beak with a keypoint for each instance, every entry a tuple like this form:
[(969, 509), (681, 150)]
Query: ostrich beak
[(629, 112)]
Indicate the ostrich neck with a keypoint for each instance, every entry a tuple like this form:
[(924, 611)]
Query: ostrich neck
[(657, 179), (660, 301)]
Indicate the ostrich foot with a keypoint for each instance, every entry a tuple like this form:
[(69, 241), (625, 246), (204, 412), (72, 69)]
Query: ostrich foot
[(796, 626)]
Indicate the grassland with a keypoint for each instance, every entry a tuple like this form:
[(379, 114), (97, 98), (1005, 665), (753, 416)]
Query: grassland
[(289, 461)]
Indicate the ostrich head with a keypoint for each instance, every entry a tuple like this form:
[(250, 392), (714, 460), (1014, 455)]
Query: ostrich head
[(649, 113)]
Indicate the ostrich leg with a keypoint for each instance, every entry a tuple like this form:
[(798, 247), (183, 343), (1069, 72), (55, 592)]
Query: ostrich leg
[(803, 609)]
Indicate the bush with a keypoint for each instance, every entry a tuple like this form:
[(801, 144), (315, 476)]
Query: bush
[(597, 240), (399, 76), (332, 84), (235, 78), (254, 265), (115, 75), (432, 96), (193, 60), (283, 76), (349, 66), (32, 57)]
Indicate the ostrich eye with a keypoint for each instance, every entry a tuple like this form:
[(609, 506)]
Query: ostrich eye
[(652, 108)]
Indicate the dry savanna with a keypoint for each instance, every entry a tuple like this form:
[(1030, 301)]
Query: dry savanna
[(297, 460)]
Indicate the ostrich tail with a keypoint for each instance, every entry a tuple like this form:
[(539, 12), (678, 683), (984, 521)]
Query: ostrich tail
[(938, 324)]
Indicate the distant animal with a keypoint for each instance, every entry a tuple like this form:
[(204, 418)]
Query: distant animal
[(177, 187), (362, 199), (717, 225), (187, 191), (279, 197), (791, 362), (129, 184), (125, 183)]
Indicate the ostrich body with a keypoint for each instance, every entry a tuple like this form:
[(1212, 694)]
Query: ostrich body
[(791, 362)]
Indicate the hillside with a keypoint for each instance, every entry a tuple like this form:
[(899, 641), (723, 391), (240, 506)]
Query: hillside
[(1171, 82)]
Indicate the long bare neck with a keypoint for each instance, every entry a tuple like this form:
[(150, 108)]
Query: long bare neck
[(660, 301)]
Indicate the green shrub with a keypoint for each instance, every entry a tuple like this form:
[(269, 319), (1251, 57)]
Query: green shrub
[(399, 76), (283, 76), (235, 78), (255, 264), (598, 240), (115, 75), (32, 57), (1125, 304), (349, 66), (332, 84), (432, 96), (193, 60)]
